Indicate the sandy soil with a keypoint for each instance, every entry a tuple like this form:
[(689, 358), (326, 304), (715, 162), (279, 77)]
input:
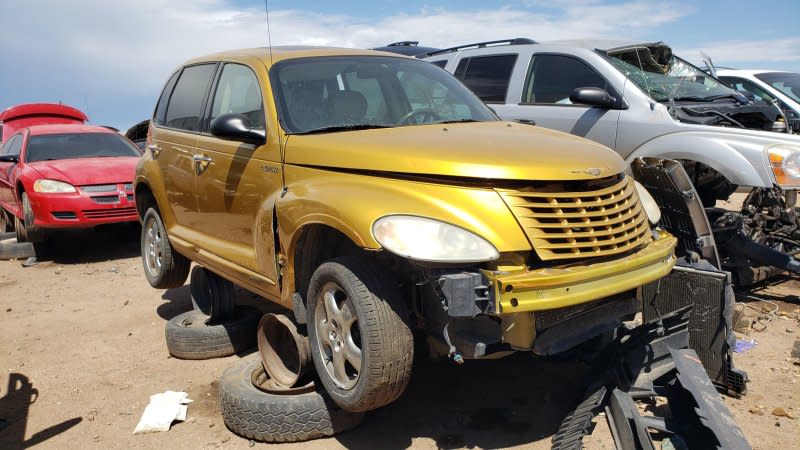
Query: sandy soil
[(82, 349)]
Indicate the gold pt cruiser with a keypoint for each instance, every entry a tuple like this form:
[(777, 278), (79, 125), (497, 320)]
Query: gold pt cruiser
[(376, 196)]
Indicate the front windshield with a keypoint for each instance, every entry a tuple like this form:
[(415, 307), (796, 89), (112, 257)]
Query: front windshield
[(786, 82), (338, 93), (47, 147), (664, 76)]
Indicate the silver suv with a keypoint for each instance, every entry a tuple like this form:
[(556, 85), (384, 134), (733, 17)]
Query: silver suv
[(641, 100)]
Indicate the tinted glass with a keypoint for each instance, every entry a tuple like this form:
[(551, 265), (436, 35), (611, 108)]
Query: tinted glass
[(786, 82), (238, 92), (12, 146), (487, 76), (340, 93), (552, 78), (440, 63), (78, 145), (748, 87), (161, 107), (186, 103)]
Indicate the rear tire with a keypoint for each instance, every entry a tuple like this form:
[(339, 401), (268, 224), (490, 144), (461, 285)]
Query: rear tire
[(266, 417), (190, 336), (164, 268), (360, 342)]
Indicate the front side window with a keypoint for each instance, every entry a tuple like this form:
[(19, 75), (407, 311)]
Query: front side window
[(13, 146), (47, 147), (487, 76), (552, 78), (665, 77), (340, 93), (238, 92), (748, 87), (786, 82), (186, 102)]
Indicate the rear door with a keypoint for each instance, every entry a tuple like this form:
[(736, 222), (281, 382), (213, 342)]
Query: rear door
[(236, 184), (544, 98), (174, 140)]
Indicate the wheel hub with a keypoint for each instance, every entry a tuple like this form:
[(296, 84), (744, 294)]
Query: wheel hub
[(339, 342)]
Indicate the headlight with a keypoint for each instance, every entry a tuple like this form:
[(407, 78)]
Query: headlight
[(649, 204), (785, 162), (52, 186), (430, 240)]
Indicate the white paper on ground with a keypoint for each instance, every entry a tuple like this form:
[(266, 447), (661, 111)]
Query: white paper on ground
[(164, 408)]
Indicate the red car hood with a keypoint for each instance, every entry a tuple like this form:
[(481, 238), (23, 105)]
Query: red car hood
[(83, 171)]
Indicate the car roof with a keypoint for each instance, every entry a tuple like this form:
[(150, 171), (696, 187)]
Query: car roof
[(748, 71), (37, 130), (599, 44), (279, 53)]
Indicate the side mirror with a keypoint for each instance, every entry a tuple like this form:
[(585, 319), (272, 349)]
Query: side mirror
[(9, 158), (237, 127), (592, 96)]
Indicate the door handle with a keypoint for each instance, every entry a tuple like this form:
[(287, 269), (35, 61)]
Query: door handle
[(155, 150), (201, 163), (526, 121)]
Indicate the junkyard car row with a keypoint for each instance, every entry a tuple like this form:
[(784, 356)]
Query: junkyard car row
[(392, 211)]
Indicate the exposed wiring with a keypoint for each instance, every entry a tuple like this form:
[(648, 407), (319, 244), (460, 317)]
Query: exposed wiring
[(765, 316)]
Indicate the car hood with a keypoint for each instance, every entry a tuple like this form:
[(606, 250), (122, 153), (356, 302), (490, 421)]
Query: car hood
[(84, 171), (487, 150)]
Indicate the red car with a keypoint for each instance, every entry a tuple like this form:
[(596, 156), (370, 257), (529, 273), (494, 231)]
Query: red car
[(65, 176)]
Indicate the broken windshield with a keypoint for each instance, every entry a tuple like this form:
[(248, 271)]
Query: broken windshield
[(665, 77)]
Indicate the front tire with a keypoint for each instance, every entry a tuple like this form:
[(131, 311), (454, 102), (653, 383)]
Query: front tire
[(164, 268), (361, 344), (26, 229)]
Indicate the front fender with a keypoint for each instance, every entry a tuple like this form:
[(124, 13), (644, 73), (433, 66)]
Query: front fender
[(350, 203), (740, 158)]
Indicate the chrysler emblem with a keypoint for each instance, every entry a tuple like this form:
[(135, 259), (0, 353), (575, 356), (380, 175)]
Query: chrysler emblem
[(593, 171)]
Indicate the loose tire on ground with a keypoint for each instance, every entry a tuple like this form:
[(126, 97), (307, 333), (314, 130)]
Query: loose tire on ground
[(11, 249), (164, 268), (360, 342), (266, 417), (190, 337)]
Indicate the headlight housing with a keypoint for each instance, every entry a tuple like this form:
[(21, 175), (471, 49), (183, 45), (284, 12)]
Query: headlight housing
[(52, 187), (430, 240), (648, 203), (785, 162)]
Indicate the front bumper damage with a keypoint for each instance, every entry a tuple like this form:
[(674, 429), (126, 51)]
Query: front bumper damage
[(546, 310)]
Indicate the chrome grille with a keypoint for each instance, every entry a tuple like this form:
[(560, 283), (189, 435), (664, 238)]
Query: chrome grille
[(95, 188), (564, 225)]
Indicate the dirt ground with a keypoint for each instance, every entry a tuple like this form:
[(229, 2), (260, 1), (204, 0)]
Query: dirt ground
[(82, 349)]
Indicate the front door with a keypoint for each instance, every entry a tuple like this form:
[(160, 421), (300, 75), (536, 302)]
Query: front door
[(545, 99)]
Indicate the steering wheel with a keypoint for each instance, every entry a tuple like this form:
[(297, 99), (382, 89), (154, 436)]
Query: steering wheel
[(419, 116)]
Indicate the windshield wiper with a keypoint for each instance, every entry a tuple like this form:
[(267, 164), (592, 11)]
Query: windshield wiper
[(334, 128), (456, 121)]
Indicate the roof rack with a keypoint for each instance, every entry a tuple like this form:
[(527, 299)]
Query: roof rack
[(404, 44), (515, 41)]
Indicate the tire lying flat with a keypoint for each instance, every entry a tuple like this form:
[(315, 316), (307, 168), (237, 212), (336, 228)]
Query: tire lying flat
[(11, 249), (266, 417), (190, 337)]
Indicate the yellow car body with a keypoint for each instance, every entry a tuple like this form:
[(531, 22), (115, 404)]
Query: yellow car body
[(254, 213)]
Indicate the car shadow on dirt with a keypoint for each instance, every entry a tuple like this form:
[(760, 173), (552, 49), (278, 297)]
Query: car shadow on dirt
[(86, 246), (15, 405), (480, 404)]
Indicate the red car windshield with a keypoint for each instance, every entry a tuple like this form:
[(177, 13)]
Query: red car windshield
[(48, 147)]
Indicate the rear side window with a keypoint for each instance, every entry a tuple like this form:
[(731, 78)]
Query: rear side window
[(48, 147), (487, 76), (13, 146), (441, 63), (552, 78), (238, 92), (161, 107), (186, 102)]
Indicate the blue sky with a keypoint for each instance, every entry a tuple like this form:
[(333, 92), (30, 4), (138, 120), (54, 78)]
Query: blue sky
[(110, 58)]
